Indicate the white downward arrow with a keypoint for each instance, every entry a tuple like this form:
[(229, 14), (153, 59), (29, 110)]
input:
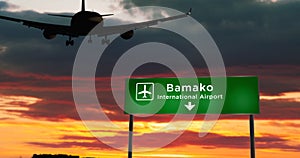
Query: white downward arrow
[(189, 106)]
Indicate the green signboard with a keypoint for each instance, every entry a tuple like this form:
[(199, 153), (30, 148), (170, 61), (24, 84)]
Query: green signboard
[(207, 95)]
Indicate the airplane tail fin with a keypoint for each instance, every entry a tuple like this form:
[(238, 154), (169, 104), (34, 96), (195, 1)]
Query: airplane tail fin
[(83, 5)]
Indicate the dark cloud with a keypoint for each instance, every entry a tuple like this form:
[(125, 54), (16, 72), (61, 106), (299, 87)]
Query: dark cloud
[(265, 36), (58, 104), (65, 109), (280, 124), (247, 32), (4, 5), (271, 110), (273, 79), (87, 145), (210, 141), (279, 109), (70, 141), (5, 118), (28, 51), (50, 110)]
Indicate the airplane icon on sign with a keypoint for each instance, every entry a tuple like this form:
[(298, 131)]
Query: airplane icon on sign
[(145, 92)]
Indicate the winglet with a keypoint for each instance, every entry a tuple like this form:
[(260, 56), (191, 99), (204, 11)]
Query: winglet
[(189, 12)]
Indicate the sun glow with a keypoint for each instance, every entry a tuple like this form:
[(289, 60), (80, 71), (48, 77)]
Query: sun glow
[(289, 96), (10, 102)]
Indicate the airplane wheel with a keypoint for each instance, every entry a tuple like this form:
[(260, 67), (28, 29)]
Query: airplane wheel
[(69, 42), (103, 41)]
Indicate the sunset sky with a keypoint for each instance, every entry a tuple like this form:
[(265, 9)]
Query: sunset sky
[(255, 37)]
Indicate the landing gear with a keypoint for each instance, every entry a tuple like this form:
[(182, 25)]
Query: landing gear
[(90, 39), (105, 41), (70, 42)]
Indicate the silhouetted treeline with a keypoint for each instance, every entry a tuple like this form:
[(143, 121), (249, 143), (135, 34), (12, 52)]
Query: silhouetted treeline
[(53, 156)]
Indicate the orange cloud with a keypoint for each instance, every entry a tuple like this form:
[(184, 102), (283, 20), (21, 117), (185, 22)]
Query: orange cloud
[(288, 96), (13, 102)]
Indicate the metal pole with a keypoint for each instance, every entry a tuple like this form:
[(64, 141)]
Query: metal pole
[(130, 135), (252, 140)]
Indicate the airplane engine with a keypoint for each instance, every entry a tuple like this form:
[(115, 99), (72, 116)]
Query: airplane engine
[(127, 35), (49, 34)]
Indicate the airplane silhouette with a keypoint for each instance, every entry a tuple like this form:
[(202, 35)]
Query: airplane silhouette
[(84, 21), (145, 92)]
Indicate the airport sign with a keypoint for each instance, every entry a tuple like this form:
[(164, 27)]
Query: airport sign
[(205, 95)]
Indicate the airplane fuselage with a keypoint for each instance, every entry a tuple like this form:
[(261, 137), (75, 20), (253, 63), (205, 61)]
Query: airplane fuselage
[(84, 21)]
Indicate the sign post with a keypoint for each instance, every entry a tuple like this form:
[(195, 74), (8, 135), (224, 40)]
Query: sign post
[(130, 136), (192, 96), (252, 138)]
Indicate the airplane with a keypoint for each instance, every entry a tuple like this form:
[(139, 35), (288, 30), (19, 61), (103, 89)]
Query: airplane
[(84, 21), (145, 92)]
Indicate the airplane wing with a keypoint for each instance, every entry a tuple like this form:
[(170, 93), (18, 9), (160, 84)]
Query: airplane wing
[(144, 92), (57, 29), (109, 30)]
